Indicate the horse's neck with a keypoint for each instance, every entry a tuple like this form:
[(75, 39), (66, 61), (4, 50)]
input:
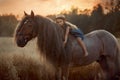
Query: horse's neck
[(50, 40)]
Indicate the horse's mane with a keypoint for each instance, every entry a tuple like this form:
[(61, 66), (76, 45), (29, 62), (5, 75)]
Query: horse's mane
[(50, 39), (19, 26)]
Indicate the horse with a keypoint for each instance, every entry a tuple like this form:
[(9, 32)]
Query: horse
[(101, 45)]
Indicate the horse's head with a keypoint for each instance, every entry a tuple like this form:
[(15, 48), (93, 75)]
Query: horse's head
[(26, 30)]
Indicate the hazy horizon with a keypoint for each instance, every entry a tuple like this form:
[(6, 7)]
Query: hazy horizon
[(43, 7)]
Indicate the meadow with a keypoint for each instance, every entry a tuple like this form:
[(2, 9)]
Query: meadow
[(26, 64)]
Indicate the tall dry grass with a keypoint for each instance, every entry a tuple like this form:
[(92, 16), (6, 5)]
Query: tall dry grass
[(23, 67), (26, 64)]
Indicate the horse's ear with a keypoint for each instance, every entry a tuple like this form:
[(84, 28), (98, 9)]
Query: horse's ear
[(25, 13), (32, 14)]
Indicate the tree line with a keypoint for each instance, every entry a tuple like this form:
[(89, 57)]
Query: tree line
[(7, 25), (100, 17)]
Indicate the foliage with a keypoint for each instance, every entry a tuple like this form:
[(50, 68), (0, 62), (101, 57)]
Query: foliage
[(98, 19), (101, 17), (7, 25)]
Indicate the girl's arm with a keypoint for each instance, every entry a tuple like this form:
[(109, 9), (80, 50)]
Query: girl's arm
[(66, 35)]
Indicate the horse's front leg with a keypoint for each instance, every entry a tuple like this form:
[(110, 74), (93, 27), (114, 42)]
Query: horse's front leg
[(65, 73), (62, 73), (58, 74)]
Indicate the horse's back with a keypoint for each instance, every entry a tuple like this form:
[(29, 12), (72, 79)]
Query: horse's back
[(97, 42), (108, 40), (93, 45)]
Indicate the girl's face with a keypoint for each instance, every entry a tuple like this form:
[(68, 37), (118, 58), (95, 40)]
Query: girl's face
[(60, 22)]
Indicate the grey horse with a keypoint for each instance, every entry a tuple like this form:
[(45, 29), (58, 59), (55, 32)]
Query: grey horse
[(102, 46)]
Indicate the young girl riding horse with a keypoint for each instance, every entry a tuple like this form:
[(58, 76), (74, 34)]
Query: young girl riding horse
[(72, 29)]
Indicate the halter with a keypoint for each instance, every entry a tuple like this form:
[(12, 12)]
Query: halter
[(32, 32)]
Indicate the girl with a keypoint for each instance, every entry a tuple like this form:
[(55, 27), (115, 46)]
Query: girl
[(72, 29)]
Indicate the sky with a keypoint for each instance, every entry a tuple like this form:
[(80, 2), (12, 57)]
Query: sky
[(43, 7)]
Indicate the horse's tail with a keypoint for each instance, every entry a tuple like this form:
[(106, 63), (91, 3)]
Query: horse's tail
[(111, 46), (118, 59), (117, 54)]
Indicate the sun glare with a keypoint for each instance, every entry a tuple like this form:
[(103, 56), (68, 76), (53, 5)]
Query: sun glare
[(42, 7)]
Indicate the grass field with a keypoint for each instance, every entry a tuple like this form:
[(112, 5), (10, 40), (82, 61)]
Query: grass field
[(26, 64)]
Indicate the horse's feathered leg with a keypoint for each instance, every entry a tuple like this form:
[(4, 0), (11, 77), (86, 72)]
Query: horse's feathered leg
[(62, 73), (104, 65), (108, 67), (112, 68), (65, 73), (58, 74)]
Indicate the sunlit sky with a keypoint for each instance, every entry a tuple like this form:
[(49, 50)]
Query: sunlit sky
[(42, 7)]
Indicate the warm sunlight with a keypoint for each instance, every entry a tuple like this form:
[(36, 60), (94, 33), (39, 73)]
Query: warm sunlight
[(60, 39), (42, 7)]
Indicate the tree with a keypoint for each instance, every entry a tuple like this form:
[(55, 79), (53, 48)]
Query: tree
[(97, 17), (7, 25)]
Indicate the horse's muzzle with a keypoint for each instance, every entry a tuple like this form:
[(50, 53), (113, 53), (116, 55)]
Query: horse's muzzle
[(21, 42)]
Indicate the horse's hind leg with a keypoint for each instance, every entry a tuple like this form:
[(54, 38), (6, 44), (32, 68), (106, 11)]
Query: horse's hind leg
[(108, 67)]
